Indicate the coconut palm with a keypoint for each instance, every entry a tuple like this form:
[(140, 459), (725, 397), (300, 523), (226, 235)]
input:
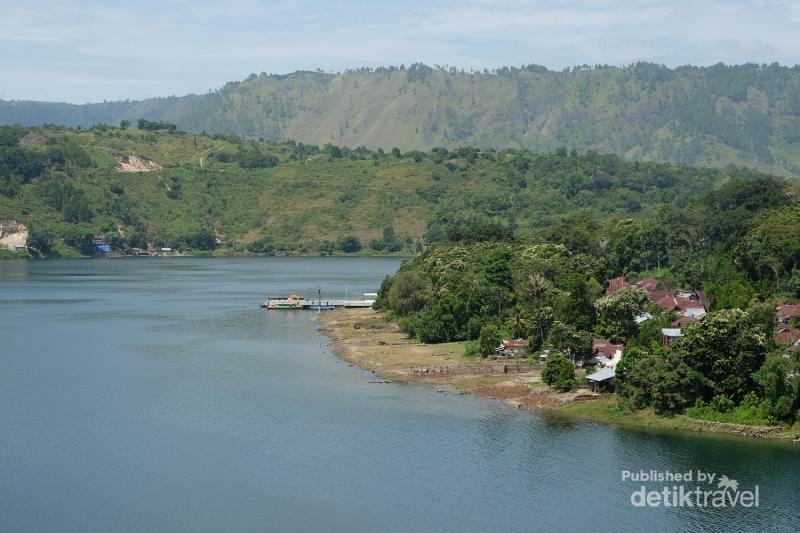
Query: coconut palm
[(517, 323), (537, 287)]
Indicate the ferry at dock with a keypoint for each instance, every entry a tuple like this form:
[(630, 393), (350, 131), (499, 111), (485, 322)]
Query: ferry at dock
[(294, 302)]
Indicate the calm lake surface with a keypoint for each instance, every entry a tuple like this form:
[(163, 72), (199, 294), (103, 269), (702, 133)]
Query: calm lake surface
[(155, 395)]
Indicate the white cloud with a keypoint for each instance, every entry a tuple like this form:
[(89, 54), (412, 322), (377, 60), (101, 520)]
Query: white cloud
[(93, 50)]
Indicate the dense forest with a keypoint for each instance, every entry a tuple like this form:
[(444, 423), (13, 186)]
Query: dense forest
[(736, 246), (713, 116)]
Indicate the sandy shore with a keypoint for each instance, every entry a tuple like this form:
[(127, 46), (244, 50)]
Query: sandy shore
[(364, 338)]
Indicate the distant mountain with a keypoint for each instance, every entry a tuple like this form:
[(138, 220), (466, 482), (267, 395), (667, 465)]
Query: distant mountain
[(747, 115)]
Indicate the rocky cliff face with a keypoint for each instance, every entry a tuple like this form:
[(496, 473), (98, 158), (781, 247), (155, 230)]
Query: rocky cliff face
[(13, 235)]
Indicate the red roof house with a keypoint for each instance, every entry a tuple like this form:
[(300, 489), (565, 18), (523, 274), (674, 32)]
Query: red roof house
[(601, 346), (655, 296), (787, 311), (648, 284), (787, 335), (679, 304), (682, 321), (515, 343)]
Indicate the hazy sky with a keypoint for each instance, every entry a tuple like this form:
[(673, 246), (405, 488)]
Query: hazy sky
[(90, 50)]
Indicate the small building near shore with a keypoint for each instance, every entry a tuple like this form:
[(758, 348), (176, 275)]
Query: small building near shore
[(513, 348), (601, 380)]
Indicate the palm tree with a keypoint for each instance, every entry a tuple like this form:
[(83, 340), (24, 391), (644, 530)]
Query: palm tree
[(537, 287), (517, 323)]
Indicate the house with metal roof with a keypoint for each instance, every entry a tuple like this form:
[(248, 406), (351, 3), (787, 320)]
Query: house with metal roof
[(603, 379)]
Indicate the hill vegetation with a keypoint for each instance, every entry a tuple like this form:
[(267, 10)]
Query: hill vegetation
[(713, 116), (737, 245), (163, 187)]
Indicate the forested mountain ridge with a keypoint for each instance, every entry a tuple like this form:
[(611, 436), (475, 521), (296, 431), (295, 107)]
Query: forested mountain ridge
[(713, 116), (163, 187)]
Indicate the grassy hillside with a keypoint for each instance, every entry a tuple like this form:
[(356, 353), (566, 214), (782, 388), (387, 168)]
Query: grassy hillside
[(747, 115), (68, 185)]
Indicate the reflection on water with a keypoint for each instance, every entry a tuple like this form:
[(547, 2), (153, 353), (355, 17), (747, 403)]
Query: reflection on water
[(155, 394)]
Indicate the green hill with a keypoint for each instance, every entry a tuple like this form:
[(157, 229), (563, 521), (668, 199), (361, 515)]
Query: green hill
[(713, 116), (175, 189)]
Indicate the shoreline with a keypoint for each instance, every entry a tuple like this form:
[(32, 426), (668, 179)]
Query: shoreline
[(364, 338), (17, 256)]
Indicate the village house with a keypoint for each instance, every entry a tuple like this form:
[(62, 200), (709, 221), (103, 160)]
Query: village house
[(100, 246), (512, 348), (601, 380), (606, 353), (787, 335), (543, 355), (786, 312), (682, 321), (648, 284), (681, 305), (691, 305)]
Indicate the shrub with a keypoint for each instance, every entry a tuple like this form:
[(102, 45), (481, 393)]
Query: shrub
[(349, 244), (489, 339), (722, 404), (559, 372), (255, 159)]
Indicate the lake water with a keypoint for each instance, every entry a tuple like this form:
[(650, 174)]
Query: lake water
[(155, 395)]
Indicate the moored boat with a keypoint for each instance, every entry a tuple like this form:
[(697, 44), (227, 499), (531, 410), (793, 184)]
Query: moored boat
[(292, 301)]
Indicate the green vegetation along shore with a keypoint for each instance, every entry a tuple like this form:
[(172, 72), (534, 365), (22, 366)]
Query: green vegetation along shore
[(153, 186), (367, 339), (690, 313)]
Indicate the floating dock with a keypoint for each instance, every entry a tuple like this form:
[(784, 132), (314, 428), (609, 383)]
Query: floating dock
[(294, 302)]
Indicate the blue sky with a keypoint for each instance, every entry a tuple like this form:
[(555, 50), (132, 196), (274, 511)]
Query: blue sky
[(80, 51)]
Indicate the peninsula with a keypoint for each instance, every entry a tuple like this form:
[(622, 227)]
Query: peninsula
[(366, 339)]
